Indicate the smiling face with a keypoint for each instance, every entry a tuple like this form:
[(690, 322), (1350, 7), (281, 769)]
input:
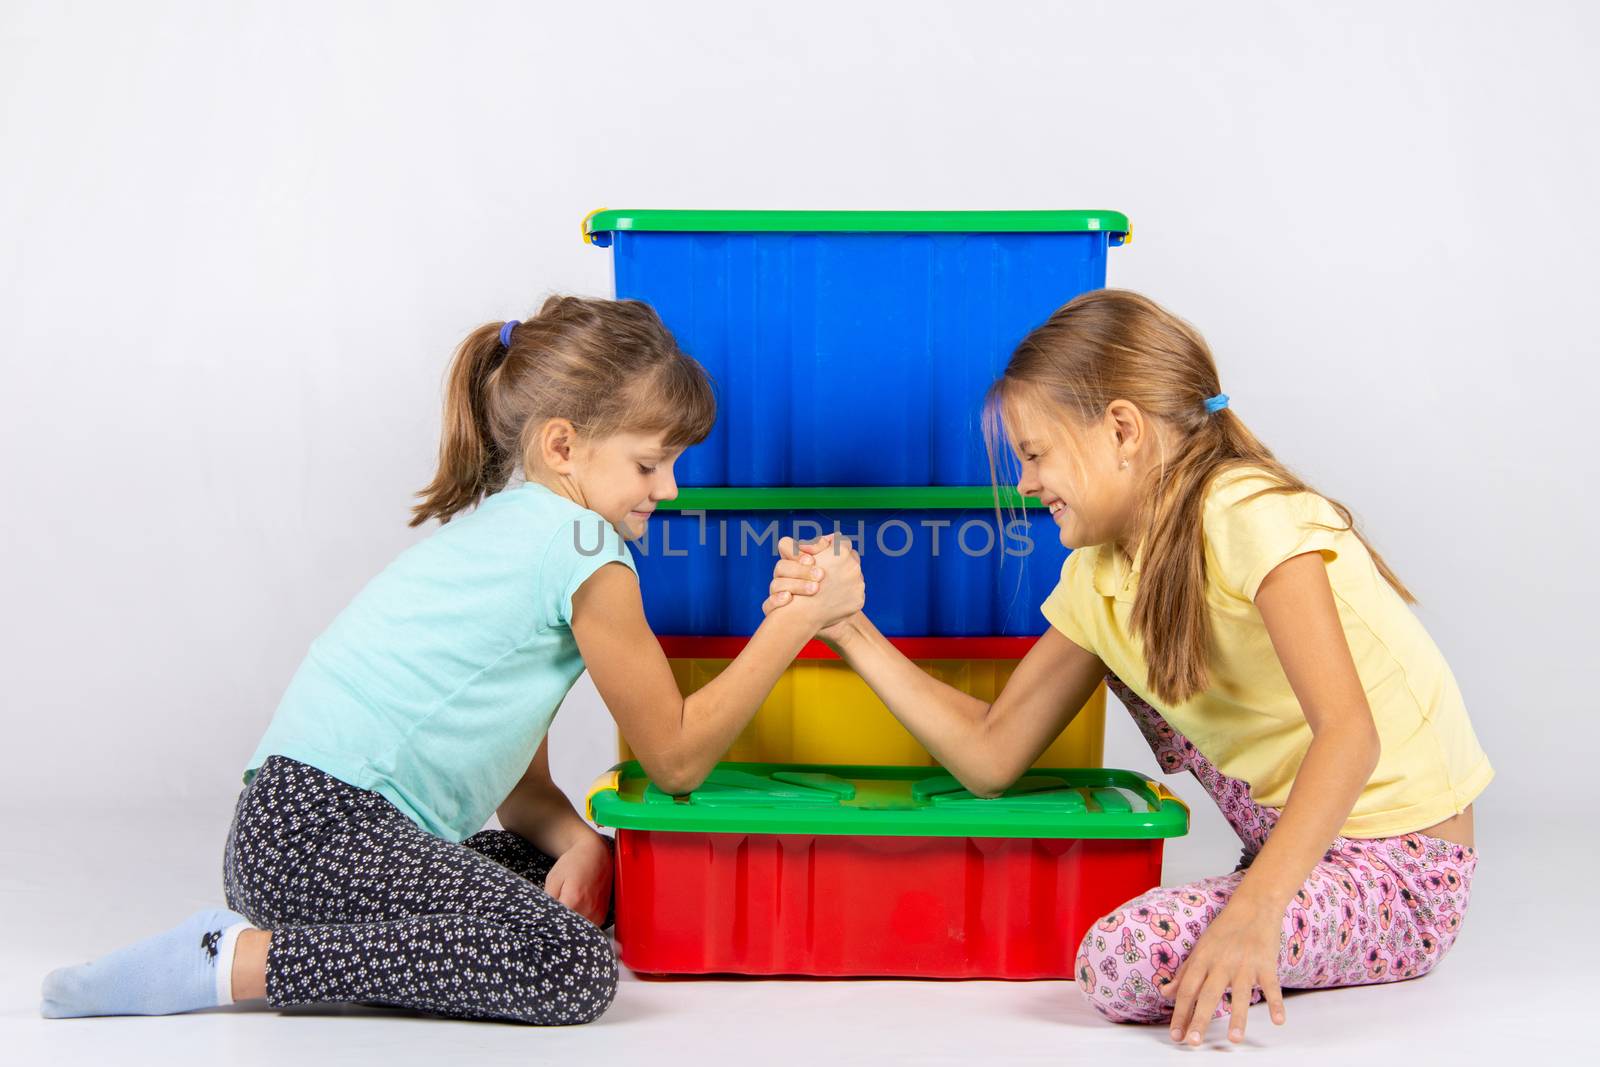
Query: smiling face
[(1088, 476), (623, 476)]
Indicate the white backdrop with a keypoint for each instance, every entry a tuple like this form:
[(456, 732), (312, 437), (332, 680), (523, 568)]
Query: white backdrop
[(239, 242)]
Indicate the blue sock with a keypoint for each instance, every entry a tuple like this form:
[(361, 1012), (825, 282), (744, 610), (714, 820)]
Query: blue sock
[(188, 967)]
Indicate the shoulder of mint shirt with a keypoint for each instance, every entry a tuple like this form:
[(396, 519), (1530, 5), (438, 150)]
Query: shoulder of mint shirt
[(436, 685)]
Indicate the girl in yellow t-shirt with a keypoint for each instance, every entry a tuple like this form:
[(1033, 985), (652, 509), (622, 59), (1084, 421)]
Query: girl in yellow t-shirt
[(1290, 676)]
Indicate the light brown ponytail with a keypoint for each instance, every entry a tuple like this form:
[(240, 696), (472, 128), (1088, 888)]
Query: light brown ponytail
[(1112, 344), (468, 460), (608, 366)]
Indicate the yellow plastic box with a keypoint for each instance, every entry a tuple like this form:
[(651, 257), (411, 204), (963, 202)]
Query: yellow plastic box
[(822, 712)]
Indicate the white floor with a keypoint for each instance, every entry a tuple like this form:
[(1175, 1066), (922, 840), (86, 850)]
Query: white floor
[(76, 884)]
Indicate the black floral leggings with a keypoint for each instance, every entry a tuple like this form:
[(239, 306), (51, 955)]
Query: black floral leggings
[(365, 907)]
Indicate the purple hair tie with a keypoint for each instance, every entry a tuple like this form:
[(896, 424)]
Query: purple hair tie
[(505, 332)]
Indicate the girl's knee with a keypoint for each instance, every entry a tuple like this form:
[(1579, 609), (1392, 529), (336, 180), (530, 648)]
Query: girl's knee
[(597, 970), (566, 973), (1122, 977)]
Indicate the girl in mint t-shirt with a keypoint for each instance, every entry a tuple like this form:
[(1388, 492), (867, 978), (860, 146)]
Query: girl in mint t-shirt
[(356, 866)]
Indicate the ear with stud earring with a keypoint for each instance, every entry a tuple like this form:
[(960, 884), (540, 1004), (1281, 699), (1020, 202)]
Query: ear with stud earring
[(1124, 463)]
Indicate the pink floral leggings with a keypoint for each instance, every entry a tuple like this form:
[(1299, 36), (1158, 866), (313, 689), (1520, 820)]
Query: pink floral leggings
[(1374, 910)]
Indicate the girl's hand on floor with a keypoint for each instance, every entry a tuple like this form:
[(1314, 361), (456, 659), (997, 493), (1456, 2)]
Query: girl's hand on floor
[(1237, 952), (581, 878)]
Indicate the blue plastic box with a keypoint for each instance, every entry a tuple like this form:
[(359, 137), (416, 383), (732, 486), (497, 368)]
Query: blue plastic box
[(852, 348), (930, 572)]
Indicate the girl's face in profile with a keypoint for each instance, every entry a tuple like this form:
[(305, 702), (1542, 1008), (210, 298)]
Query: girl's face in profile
[(625, 476), (1076, 472)]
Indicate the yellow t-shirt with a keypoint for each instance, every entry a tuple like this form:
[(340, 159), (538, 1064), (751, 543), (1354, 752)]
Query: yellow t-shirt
[(1249, 723)]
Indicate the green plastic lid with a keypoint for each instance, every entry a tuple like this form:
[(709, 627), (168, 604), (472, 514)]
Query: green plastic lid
[(848, 498), (777, 798), (607, 221)]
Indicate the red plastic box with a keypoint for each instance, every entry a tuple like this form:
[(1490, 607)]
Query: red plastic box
[(766, 869)]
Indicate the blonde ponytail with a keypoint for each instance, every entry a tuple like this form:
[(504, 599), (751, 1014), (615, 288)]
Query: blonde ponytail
[(471, 464)]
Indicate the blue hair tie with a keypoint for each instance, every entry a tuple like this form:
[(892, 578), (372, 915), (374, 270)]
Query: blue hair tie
[(505, 332), (1216, 403)]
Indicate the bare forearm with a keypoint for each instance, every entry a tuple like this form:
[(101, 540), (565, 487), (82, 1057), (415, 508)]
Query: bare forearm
[(713, 716), (546, 819), (1336, 767), (950, 724)]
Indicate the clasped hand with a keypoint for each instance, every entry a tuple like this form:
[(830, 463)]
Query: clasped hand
[(821, 578)]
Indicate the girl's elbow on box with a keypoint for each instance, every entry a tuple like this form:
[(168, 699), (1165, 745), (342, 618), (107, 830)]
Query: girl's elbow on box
[(674, 781), (992, 769), (987, 781), (674, 773)]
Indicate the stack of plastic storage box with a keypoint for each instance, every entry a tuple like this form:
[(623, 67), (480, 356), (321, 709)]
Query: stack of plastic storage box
[(851, 352)]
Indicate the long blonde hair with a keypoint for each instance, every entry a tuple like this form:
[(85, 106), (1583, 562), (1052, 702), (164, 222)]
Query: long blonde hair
[(1113, 344), (608, 366)]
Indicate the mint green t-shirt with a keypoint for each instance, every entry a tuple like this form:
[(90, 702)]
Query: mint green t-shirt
[(436, 685)]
